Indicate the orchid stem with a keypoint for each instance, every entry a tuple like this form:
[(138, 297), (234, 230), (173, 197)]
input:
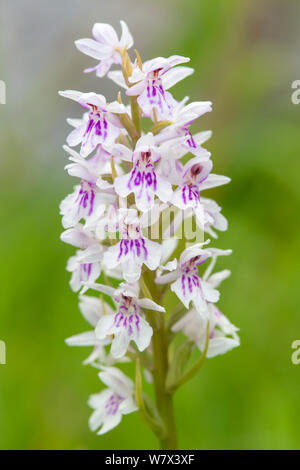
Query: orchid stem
[(164, 400)]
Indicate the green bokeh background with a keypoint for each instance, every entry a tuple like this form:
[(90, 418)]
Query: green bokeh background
[(246, 56)]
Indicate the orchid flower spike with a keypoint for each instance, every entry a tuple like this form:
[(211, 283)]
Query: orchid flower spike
[(140, 172)]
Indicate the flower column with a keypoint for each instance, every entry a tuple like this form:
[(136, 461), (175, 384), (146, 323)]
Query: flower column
[(127, 180)]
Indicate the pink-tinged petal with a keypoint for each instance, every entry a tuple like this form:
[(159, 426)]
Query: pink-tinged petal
[(126, 38), (105, 34), (92, 48), (173, 76)]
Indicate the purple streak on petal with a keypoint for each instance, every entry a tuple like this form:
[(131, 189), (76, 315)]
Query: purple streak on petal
[(190, 284), (144, 247), (130, 330), (183, 195), (138, 248), (183, 284), (137, 322), (92, 202)]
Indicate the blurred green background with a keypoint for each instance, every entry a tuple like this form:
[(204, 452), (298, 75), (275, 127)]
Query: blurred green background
[(246, 56)]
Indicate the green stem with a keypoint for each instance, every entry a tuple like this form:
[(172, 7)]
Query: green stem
[(164, 400)]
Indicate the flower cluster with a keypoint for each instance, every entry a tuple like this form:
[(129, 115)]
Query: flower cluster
[(127, 179)]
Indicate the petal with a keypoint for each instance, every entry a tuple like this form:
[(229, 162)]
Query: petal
[(110, 422), (97, 400), (131, 269), (210, 294), (136, 89), (91, 308), (126, 38), (111, 256), (173, 76), (168, 247), (202, 137), (87, 338), (164, 189), (105, 34), (78, 237), (71, 94), (102, 288), (166, 278), (120, 344), (114, 378), (143, 336), (92, 48), (123, 152), (216, 279), (76, 135), (214, 180), (154, 253), (149, 304), (127, 406), (117, 77), (220, 345), (104, 326), (116, 107), (121, 185)]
